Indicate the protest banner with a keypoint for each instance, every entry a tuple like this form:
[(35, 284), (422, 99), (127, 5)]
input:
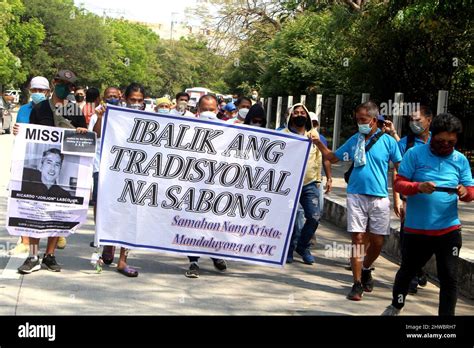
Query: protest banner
[(196, 187), (49, 191)]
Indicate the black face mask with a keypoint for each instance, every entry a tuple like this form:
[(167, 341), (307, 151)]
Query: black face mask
[(79, 98), (440, 149), (299, 121)]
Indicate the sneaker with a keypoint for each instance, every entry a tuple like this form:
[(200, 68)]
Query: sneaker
[(413, 287), (356, 292), (50, 262), (391, 311), (367, 280), (61, 243), (306, 255), (30, 265), (289, 259), (220, 264), (20, 249), (422, 279), (193, 271)]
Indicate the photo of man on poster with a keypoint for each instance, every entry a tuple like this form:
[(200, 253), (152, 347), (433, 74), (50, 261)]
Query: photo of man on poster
[(44, 180)]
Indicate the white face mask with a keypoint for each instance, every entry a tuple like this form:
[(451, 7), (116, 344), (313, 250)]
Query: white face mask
[(163, 111), (135, 106), (208, 115), (182, 106), (243, 113)]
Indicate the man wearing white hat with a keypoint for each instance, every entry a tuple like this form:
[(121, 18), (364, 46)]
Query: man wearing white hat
[(39, 91), (55, 112)]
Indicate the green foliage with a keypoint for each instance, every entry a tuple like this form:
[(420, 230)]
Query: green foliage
[(18, 40), (39, 37), (415, 47)]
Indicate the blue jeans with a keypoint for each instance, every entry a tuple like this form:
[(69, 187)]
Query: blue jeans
[(310, 209)]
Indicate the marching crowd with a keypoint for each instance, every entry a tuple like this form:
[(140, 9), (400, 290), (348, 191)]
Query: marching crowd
[(429, 177)]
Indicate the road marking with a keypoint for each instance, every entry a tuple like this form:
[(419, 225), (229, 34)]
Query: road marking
[(10, 271)]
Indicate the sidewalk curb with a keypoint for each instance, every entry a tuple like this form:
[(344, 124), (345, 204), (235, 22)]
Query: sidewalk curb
[(335, 211)]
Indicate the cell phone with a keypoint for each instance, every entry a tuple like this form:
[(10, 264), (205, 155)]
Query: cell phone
[(446, 189)]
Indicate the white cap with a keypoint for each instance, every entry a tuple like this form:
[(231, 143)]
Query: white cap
[(313, 116), (39, 82)]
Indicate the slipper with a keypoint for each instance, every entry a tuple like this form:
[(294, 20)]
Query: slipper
[(108, 254), (128, 272)]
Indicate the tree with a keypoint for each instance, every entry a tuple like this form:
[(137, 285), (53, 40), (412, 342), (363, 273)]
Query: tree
[(133, 56), (18, 41), (189, 63)]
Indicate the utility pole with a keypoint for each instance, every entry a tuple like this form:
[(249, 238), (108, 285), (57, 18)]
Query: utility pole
[(172, 24)]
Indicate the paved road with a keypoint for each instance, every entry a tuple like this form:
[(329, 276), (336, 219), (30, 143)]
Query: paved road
[(162, 289), (466, 210)]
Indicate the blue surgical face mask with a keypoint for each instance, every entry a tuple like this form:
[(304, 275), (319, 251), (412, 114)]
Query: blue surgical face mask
[(364, 128), (38, 97), (163, 111), (112, 101)]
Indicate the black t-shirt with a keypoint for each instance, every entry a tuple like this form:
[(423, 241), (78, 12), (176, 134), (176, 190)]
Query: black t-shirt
[(40, 189), (42, 114), (32, 184)]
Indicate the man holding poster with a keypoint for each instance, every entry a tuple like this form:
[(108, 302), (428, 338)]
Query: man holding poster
[(49, 191), (198, 187)]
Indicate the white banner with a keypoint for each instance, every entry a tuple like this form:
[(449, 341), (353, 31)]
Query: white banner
[(198, 188), (49, 191)]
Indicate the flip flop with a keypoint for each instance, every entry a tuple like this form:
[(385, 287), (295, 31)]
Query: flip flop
[(128, 272)]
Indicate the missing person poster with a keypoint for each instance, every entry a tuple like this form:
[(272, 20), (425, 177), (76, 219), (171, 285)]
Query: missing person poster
[(199, 188), (49, 190)]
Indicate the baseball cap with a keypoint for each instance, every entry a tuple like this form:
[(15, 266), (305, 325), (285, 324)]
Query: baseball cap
[(66, 75), (230, 107), (39, 82)]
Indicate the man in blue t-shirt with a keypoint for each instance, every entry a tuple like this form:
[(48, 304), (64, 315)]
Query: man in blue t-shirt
[(368, 204), (433, 177), (39, 91), (420, 121)]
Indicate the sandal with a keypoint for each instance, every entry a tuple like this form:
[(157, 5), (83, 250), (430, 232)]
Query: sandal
[(108, 254), (128, 272)]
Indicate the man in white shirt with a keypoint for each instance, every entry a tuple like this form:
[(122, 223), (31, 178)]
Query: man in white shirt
[(182, 108)]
